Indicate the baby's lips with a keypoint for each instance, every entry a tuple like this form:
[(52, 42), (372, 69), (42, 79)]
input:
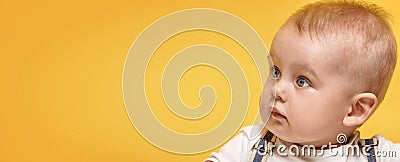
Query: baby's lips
[(276, 110)]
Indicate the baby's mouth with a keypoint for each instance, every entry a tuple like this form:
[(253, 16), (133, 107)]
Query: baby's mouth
[(276, 114)]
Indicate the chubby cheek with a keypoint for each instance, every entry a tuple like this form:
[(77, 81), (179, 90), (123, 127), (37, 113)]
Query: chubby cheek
[(311, 119), (303, 120)]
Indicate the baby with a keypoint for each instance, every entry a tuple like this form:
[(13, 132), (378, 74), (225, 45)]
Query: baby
[(333, 61)]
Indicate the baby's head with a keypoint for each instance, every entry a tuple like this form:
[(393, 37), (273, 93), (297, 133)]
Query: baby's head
[(333, 64)]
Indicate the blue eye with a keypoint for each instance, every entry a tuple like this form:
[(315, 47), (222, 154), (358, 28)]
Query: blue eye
[(276, 73), (302, 82)]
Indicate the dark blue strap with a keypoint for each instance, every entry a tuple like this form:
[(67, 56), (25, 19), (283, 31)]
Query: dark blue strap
[(369, 147), (369, 144), (261, 151), (262, 147)]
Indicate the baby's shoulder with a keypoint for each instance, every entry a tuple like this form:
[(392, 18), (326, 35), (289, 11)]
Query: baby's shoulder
[(387, 150), (247, 136), (238, 148), (385, 144)]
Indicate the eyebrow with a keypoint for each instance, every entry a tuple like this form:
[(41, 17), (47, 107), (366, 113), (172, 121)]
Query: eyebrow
[(305, 67), (274, 56), (309, 69)]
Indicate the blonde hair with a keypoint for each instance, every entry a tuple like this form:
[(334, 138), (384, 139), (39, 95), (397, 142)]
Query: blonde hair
[(361, 32)]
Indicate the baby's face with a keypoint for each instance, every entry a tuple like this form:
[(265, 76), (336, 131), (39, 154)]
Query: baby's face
[(311, 97)]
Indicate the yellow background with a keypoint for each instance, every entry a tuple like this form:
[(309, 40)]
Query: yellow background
[(61, 77)]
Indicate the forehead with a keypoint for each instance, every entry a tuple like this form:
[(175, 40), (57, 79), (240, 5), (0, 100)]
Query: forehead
[(291, 48)]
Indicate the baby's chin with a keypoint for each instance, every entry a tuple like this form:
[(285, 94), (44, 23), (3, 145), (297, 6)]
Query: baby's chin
[(285, 132), (286, 135), (278, 131)]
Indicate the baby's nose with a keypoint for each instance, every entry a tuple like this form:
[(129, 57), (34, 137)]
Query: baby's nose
[(279, 92)]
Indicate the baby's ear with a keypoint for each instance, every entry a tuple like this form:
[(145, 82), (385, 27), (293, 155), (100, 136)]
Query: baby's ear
[(362, 107)]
